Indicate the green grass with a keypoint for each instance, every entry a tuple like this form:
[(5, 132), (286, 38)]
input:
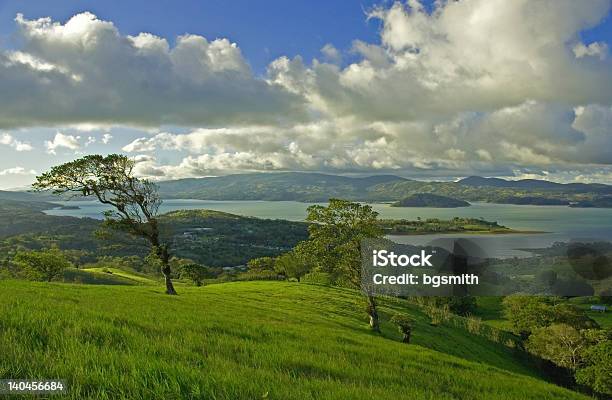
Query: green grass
[(245, 340), (490, 309), (116, 272), (603, 319), (95, 277)]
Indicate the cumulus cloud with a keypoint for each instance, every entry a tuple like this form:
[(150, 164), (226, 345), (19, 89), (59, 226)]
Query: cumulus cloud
[(96, 75), (331, 54), (492, 87), (530, 134), (477, 55), (63, 141), (17, 171), (9, 140)]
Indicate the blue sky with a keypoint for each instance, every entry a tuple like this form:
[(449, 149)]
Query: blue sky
[(488, 87)]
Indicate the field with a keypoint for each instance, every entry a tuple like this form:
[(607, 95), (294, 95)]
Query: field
[(245, 340)]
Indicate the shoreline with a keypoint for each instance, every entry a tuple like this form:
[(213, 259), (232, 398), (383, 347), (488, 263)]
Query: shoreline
[(507, 232)]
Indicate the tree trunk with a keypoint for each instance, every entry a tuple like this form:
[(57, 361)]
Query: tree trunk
[(169, 285), (406, 338), (162, 252), (373, 314)]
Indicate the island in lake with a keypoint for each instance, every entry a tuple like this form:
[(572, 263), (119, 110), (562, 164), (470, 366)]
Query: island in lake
[(66, 207), (430, 200), (435, 225)]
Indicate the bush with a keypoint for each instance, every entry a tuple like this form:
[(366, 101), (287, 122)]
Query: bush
[(559, 343), (473, 324), (595, 372), (438, 315), (194, 272), (528, 313), (44, 265), (404, 324)]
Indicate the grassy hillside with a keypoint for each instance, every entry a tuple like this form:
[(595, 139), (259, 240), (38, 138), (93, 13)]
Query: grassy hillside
[(247, 340)]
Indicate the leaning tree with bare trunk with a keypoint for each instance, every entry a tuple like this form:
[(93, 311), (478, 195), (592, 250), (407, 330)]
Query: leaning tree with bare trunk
[(135, 202)]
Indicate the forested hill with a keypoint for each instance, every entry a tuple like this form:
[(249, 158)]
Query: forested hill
[(536, 184), (310, 187), (314, 187)]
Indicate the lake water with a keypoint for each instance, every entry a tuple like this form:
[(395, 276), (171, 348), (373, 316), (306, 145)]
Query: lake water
[(562, 223)]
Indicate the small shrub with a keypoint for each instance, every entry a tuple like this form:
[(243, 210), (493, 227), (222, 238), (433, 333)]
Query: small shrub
[(404, 324), (494, 335), (438, 315), (473, 324)]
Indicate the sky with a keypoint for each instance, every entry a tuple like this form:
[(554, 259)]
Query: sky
[(428, 90)]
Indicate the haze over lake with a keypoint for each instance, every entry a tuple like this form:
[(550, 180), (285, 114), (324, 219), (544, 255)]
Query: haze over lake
[(562, 223)]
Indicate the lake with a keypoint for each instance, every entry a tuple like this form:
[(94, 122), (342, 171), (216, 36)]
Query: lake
[(563, 223)]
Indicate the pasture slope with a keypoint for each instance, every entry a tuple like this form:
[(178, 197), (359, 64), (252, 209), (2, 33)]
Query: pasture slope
[(245, 340)]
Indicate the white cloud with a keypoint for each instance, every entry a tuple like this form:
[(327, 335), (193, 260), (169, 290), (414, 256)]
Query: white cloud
[(62, 141), (17, 171), (9, 140), (331, 54), (595, 49), (106, 138), (98, 76), (491, 87)]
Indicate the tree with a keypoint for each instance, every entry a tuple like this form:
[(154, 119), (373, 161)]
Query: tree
[(261, 264), (404, 325), (559, 343), (334, 243), (596, 371), (42, 264), (135, 202), (194, 272), (291, 265), (526, 313)]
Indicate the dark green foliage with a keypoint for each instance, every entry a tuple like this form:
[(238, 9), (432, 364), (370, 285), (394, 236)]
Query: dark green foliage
[(219, 239), (335, 235), (560, 343), (292, 265), (527, 313), (196, 273), (596, 370), (45, 265), (261, 264), (435, 225)]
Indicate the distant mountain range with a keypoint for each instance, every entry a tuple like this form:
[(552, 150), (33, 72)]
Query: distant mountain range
[(316, 187), (536, 184)]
